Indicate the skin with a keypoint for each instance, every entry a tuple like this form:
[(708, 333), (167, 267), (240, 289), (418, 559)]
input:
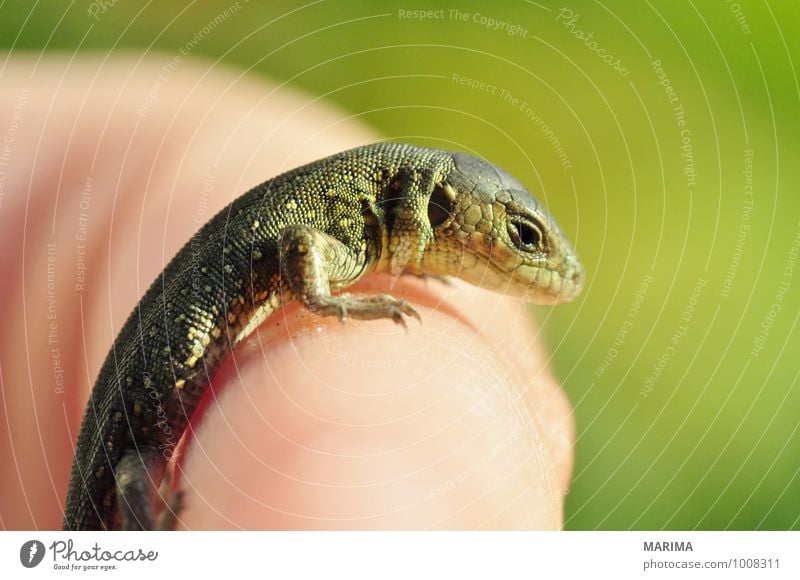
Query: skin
[(420, 453)]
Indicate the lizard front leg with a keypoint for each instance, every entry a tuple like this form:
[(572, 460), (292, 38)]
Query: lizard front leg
[(312, 262)]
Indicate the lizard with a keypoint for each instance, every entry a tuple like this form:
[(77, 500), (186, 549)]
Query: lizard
[(305, 235)]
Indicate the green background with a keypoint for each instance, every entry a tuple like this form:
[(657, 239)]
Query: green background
[(713, 443)]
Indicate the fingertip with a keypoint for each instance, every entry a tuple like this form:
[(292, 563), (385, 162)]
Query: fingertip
[(318, 425)]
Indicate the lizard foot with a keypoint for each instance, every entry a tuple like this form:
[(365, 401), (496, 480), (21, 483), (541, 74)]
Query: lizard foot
[(372, 307)]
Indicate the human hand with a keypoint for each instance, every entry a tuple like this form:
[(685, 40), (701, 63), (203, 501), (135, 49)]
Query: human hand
[(456, 423)]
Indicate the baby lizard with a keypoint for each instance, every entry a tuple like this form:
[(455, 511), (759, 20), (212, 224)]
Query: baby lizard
[(304, 235)]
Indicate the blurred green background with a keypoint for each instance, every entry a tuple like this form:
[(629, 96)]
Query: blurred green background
[(663, 135)]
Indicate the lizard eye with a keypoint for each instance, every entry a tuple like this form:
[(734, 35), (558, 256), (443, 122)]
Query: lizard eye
[(526, 233), (439, 206)]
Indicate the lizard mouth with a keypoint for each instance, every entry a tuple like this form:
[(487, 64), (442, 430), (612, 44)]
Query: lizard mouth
[(535, 285)]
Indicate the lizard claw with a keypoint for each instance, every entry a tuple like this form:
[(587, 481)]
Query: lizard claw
[(404, 307), (401, 309)]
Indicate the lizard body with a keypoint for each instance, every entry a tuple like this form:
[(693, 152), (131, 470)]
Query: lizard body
[(300, 236)]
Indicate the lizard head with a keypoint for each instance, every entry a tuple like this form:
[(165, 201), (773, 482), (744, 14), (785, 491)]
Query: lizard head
[(490, 231)]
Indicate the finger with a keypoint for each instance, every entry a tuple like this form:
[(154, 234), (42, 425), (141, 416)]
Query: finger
[(315, 425), (154, 159)]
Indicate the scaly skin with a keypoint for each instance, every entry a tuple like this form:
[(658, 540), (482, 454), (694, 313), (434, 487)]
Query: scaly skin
[(300, 236)]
